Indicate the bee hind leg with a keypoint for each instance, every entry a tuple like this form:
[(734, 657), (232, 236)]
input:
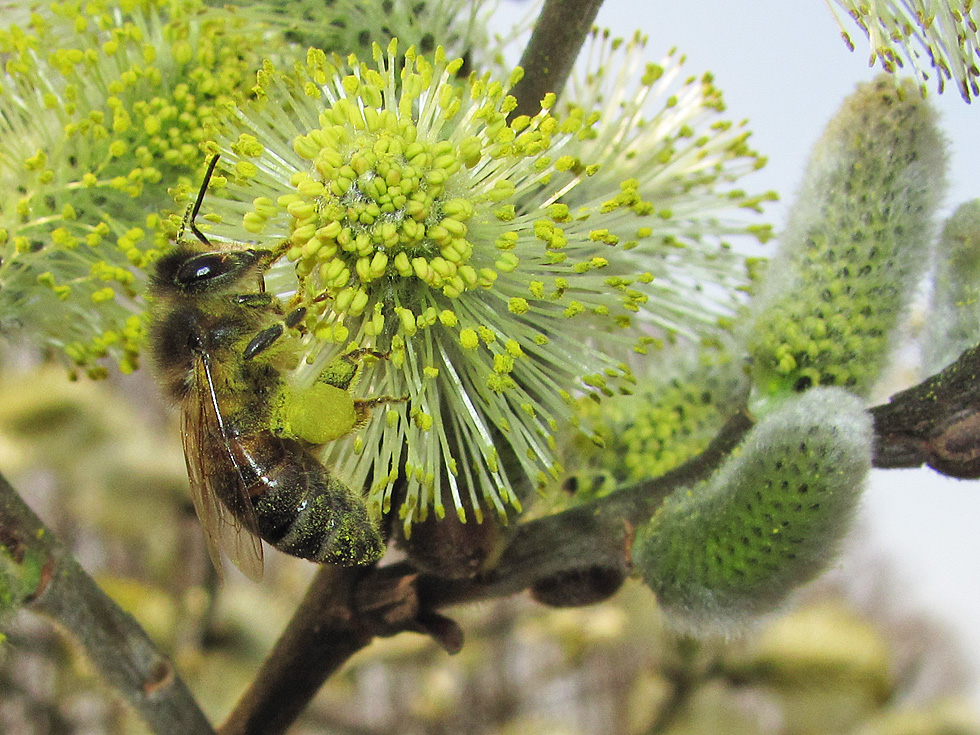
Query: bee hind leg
[(343, 373)]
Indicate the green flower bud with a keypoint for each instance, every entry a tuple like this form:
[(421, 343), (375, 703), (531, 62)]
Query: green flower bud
[(954, 320), (855, 246), (769, 520), (668, 420)]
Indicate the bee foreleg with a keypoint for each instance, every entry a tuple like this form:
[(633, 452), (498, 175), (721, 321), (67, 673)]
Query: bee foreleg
[(255, 300), (262, 341), (294, 317), (267, 337)]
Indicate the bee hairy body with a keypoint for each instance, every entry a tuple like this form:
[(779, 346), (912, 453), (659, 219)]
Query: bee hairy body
[(246, 480)]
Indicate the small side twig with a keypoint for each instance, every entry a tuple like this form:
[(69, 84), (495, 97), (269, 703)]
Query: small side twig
[(936, 423), (114, 642)]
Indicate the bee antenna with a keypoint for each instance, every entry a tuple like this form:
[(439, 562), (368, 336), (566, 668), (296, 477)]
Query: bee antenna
[(190, 217)]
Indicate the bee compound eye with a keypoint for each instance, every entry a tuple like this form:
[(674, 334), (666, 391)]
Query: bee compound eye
[(204, 269)]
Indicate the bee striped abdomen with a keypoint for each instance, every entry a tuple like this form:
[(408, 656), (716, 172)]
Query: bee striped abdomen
[(300, 508)]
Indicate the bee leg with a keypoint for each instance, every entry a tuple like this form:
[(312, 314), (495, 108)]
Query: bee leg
[(254, 300), (342, 372), (364, 406), (327, 410), (262, 341), (354, 356), (267, 337), (294, 317)]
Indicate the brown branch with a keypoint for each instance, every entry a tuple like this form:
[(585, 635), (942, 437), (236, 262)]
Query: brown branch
[(594, 534), (346, 608), (114, 642), (547, 61), (343, 611), (322, 634), (936, 423)]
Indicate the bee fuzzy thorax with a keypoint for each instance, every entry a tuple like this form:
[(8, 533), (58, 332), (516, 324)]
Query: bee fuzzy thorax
[(182, 329)]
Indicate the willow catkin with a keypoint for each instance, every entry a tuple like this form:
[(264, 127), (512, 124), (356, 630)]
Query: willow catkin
[(856, 245), (771, 518)]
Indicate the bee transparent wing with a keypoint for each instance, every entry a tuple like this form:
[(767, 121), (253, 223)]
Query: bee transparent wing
[(215, 481)]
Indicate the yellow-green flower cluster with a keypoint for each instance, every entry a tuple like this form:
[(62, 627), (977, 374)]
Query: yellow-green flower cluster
[(667, 159), (103, 106), (426, 224), (946, 30), (422, 225)]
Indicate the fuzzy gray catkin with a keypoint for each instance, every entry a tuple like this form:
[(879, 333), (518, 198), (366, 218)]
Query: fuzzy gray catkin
[(856, 244), (954, 315), (770, 519)]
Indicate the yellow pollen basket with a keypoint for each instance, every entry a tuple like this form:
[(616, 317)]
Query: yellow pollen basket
[(318, 414)]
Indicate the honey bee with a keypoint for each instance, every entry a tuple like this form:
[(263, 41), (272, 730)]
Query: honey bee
[(214, 331)]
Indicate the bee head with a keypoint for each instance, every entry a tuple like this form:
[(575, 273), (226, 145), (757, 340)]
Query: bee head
[(189, 271)]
